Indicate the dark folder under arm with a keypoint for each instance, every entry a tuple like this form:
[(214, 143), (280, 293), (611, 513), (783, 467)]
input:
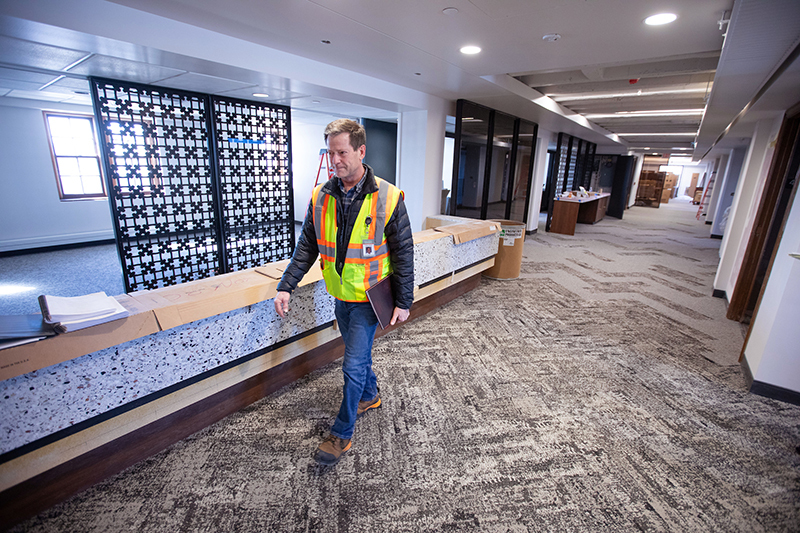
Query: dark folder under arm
[(381, 298)]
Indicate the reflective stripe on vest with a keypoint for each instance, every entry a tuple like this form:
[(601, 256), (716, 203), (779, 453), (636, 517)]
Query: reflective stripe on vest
[(367, 258)]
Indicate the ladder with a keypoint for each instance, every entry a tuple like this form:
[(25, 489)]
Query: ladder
[(323, 158)]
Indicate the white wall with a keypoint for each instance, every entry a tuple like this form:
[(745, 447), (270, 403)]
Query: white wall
[(539, 176), (421, 157), (637, 173), (686, 178), (307, 141), (745, 204), (711, 190), (31, 213), (772, 351)]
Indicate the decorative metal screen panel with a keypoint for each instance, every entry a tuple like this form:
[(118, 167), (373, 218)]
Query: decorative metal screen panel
[(164, 189), (252, 141)]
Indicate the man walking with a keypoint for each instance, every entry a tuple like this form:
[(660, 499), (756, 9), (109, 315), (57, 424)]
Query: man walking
[(357, 224)]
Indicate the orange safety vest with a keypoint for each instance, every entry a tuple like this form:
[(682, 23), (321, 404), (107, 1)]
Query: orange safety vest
[(367, 259)]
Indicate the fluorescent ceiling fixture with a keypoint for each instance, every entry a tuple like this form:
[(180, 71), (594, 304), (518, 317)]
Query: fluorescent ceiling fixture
[(261, 95), (661, 18), (691, 134), (601, 96), (664, 113), (6, 290), (470, 50)]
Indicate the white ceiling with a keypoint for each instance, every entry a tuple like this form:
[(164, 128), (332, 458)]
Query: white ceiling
[(238, 47)]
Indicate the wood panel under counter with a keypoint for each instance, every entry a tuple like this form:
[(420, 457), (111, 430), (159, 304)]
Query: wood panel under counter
[(567, 212)]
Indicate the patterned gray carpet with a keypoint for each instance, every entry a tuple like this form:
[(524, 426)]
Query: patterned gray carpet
[(598, 392)]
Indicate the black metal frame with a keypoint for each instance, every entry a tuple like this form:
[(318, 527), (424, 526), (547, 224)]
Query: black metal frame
[(181, 217), (569, 172), (488, 162)]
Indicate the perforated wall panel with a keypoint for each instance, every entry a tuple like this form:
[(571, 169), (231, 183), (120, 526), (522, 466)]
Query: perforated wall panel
[(255, 185), (188, 204)]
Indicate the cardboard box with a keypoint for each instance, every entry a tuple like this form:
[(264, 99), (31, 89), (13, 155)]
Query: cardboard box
[(274, 270), (469, 231), (508, 261), (25, 358), (196, 300), (187, 302), (428, 235)]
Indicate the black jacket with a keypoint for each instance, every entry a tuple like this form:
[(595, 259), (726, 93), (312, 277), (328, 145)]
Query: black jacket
[(398, 237)]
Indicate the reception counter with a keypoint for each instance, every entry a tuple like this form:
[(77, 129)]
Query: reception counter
[(81, 406), (567, 212)]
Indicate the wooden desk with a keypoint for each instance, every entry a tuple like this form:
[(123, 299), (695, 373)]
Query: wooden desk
[(569, 211)]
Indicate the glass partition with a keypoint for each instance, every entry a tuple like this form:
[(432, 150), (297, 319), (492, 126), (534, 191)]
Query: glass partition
[(500, 170), (469, 159), (492, 164), (523, 171)]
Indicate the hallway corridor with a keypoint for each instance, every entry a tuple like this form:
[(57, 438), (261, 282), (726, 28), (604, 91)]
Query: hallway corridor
[(598, 392)]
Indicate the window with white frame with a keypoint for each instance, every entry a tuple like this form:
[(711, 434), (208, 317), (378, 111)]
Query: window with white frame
[(75, 156)]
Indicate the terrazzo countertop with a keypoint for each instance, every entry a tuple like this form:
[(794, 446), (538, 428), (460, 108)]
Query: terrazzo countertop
[(42, 402)]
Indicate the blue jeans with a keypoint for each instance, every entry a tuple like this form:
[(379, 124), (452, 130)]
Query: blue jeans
[(357, 322)]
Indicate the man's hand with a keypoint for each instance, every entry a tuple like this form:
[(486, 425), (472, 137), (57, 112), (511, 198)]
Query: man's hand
[(282, 303), (399, 315)]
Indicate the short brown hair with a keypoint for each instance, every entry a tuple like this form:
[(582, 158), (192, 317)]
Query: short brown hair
[(358, 135)]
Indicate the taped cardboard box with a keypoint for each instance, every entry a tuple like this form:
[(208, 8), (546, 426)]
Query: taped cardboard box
[(445, 220), (469, 231), (25, 358), (428, 235), (196, 300), (187, 302), (273, 270)]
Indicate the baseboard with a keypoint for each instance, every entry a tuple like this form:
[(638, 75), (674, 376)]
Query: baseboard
[(766, 390), (719, 293), (55, 247), (60, 483), (775, 393)]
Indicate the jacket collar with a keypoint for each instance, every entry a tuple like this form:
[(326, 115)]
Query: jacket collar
[(370, 184)]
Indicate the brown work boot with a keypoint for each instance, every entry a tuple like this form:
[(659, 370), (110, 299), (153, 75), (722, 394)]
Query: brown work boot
[(366, 405), (331, 450)]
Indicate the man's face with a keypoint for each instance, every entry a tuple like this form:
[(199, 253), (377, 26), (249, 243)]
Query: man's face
[(345, 159)]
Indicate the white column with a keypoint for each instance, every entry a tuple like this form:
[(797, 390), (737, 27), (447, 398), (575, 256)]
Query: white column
[(771, 352), (539, 175), (420, 157), (745, 204)]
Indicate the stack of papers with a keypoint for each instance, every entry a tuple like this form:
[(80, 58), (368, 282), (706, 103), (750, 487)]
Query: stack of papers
[(21, 329), (78, 312)]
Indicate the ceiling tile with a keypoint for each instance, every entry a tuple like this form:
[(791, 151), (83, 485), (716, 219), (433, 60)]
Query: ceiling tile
[(19, 52), (122, 69)]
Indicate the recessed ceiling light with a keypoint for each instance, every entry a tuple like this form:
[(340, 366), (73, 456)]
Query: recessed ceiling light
[(647, 114), (657, 134), (551, 37), (470, 50), (449, 11), (261, 95), (661, 18), (602, 96)]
